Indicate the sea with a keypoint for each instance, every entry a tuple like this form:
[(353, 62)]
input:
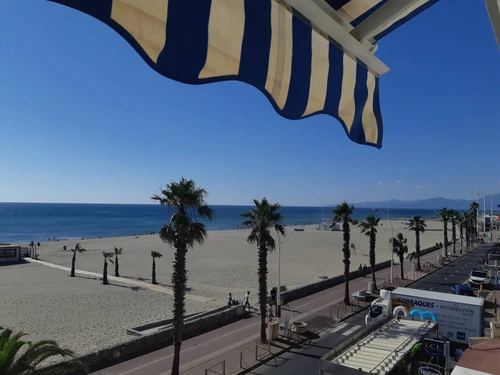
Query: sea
[(25, 222)]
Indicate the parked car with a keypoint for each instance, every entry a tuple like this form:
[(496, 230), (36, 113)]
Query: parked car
[(479, 277), (463, 290)]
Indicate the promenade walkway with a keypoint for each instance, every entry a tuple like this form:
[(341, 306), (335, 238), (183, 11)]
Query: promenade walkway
[(236, 346), (123, 280)]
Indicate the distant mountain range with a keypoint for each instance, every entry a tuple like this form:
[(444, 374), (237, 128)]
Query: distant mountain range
[(431, 203)]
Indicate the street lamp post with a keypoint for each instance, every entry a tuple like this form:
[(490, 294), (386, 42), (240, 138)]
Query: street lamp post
[(392, 241), (278, 281)]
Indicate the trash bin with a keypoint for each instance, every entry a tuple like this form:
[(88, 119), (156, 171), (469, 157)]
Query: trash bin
[(64, 247), (273, 329), (414, 267), (371, 287)]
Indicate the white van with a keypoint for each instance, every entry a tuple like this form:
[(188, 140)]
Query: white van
[(480, 277)]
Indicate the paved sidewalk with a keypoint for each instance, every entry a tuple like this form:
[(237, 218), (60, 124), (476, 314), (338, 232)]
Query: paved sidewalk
[(237, 341), (123, 280)]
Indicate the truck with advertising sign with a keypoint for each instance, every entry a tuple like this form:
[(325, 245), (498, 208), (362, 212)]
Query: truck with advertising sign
[(459, 317)]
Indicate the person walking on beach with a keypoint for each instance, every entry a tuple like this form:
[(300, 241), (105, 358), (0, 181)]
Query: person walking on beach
[(353, 249), (229, 301), (360, 270), (245, 300)]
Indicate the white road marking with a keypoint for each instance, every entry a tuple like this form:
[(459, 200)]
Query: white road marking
[(353, 329), (338, 328), (444, 280), (431, 288)]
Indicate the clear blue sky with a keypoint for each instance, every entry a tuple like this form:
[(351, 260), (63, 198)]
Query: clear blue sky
[(84, 119)]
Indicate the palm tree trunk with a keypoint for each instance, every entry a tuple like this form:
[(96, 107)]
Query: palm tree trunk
[(117, 273), (73, 262), (417, 249), (454, 236), (153, 276), (105, 273), (445, 229), (401, 259), (461, 238), (372, 258), (263, 291), (347, 262), (179, 281)]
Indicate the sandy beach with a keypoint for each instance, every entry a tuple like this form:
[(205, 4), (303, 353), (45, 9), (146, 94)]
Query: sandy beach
[(79, 313), (227, 263), (83, 315)]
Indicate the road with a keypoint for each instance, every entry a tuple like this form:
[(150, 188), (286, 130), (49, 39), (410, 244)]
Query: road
[(305, 361)]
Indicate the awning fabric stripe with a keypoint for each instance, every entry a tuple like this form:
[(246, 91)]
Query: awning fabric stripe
[(263, 43), (356, 11)]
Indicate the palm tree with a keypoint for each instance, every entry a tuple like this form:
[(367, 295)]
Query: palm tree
[(187, 202), (154, 254), (342, 213), (107, 256), (453, 219), (418, 225), (22, 357), (78, 249), (118, 251), (460, 218), (369, 228), (444, 213), (474, 207), (260, 219), (469, 226), (400, 249)]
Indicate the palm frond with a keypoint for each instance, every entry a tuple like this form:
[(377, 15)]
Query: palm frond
[(13, 363), (78, 248), (156, 254), (118, 251), (108, 254)]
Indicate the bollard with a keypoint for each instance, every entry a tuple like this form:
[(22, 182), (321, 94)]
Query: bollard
[(224, 367), (256, 353), (241, 359), (495, 309)]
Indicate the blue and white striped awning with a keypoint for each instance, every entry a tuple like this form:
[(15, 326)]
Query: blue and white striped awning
[(264, 43), (317, 61)]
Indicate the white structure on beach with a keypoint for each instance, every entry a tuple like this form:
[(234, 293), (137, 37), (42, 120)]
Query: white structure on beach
[(327, 225)]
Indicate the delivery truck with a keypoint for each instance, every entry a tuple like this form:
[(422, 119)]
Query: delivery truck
[(459, 317)]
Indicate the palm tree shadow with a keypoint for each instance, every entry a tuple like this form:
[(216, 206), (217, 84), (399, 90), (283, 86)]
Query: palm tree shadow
[(134, 288), (188, 289), (144, 279)]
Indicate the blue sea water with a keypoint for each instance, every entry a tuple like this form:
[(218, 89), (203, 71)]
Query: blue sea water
[(24, 222)]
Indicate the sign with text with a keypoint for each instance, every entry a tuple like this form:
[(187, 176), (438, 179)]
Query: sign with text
[(434, 347), (428, 371), (8, 252)]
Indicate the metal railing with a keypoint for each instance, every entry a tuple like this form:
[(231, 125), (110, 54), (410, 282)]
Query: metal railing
[(218, 369)]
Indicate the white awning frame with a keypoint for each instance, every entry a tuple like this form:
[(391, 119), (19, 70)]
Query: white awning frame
[(328, 21), (493, 7)]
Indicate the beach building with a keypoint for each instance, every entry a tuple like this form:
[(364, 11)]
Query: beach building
[(10, 253), (382, 350)]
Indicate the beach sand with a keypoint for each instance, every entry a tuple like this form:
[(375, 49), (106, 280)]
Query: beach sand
[(79, 313), (227, 263)]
